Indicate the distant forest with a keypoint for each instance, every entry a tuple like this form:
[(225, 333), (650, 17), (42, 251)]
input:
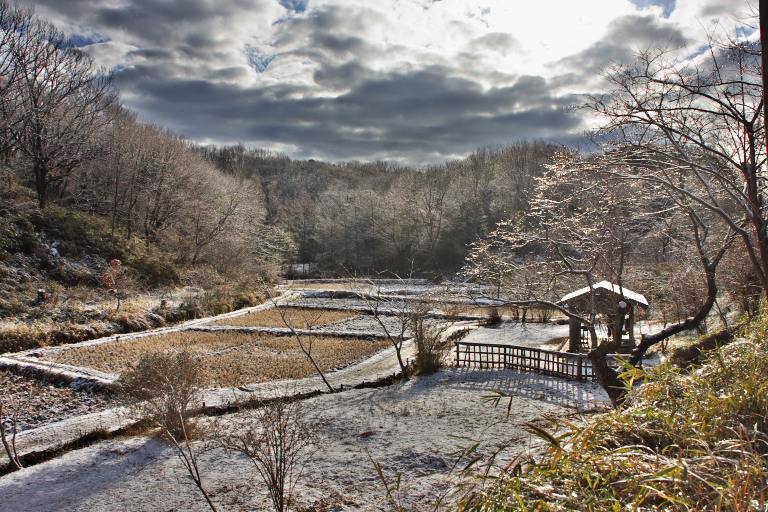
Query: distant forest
[(372, 217)]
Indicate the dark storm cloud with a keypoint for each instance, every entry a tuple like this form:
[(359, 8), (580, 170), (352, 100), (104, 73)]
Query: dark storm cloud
[(624, 36), (151, 22), (313, 77), (341, 77), (419, 116)]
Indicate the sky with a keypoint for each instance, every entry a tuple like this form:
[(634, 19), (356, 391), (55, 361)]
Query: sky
[(409, 81)]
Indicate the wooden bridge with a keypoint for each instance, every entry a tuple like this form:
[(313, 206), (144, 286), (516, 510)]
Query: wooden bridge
[(549, 362)]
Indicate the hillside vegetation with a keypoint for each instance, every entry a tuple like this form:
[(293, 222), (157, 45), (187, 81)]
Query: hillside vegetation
[(687, 440)]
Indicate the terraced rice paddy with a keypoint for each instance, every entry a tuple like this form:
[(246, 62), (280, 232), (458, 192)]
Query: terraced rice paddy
[(230, 358), (298, 318)]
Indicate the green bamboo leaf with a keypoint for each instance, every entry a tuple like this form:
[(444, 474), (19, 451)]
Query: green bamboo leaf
[(540, 432)]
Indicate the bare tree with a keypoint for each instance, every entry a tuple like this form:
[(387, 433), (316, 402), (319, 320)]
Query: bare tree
[(278, 439), (585, 226), (693, 126), (400, 308), (688, 134), (162, 387), (59, 99), (12, 20), (308, 320)]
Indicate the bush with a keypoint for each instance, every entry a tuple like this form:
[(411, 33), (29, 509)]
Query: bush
[(17, 235), (163, 387), (191, 309), (431, 347), (154, 267), (79, 233), (493, 316), (693, 354), (278, 439), (246, 300)]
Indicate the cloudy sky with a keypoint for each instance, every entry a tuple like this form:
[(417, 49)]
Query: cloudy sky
[(412, 81)]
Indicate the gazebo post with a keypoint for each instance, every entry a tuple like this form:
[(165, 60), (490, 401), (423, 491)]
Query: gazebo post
[(574, 335)]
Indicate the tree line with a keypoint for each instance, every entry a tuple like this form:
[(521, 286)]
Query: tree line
[(369, 217)]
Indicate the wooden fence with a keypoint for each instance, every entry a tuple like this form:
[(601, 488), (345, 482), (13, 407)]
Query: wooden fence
[(549, 362)]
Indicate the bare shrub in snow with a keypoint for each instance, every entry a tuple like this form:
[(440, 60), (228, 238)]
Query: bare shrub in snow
[(162, 387), (278, 439)]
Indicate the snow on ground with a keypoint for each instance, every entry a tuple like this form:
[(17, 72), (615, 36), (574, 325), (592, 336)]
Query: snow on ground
[(517, 333), (408, 428), (412, 429)]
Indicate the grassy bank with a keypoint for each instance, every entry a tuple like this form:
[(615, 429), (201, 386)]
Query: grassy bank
[(688, 440)]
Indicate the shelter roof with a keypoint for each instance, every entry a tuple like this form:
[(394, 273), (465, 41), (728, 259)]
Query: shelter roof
[(613, 288)]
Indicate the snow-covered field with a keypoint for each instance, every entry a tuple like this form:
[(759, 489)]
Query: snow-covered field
[(411, 429)]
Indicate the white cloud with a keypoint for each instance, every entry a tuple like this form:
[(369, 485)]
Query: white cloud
[(345, 79)]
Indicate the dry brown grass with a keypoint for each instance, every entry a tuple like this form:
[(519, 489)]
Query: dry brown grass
[(118, 356), (280, 358), (299, 318), (229, 358)]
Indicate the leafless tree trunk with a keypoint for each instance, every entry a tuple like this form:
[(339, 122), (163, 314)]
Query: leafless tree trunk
[(60, 99), (304, 341), (381, 307)]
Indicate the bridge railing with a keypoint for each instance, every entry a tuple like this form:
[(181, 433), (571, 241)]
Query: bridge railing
[(549, 362)]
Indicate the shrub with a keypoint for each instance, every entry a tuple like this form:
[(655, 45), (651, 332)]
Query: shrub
[(190, 309), (431, 346), (493, 316), (163, 386), (246, 300), (278, 440), (154, 267), (17, 235), (131, 322), (79, 233)]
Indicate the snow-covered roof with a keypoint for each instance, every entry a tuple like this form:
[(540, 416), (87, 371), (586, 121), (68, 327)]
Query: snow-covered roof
[(605, 285)]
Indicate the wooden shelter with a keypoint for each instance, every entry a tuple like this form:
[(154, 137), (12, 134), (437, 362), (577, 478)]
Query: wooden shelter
[(611, 301)]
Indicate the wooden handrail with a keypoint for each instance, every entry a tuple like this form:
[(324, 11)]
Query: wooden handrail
[(550, 362)]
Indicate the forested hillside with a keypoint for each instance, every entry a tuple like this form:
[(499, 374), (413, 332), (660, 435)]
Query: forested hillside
[(376, 217)]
